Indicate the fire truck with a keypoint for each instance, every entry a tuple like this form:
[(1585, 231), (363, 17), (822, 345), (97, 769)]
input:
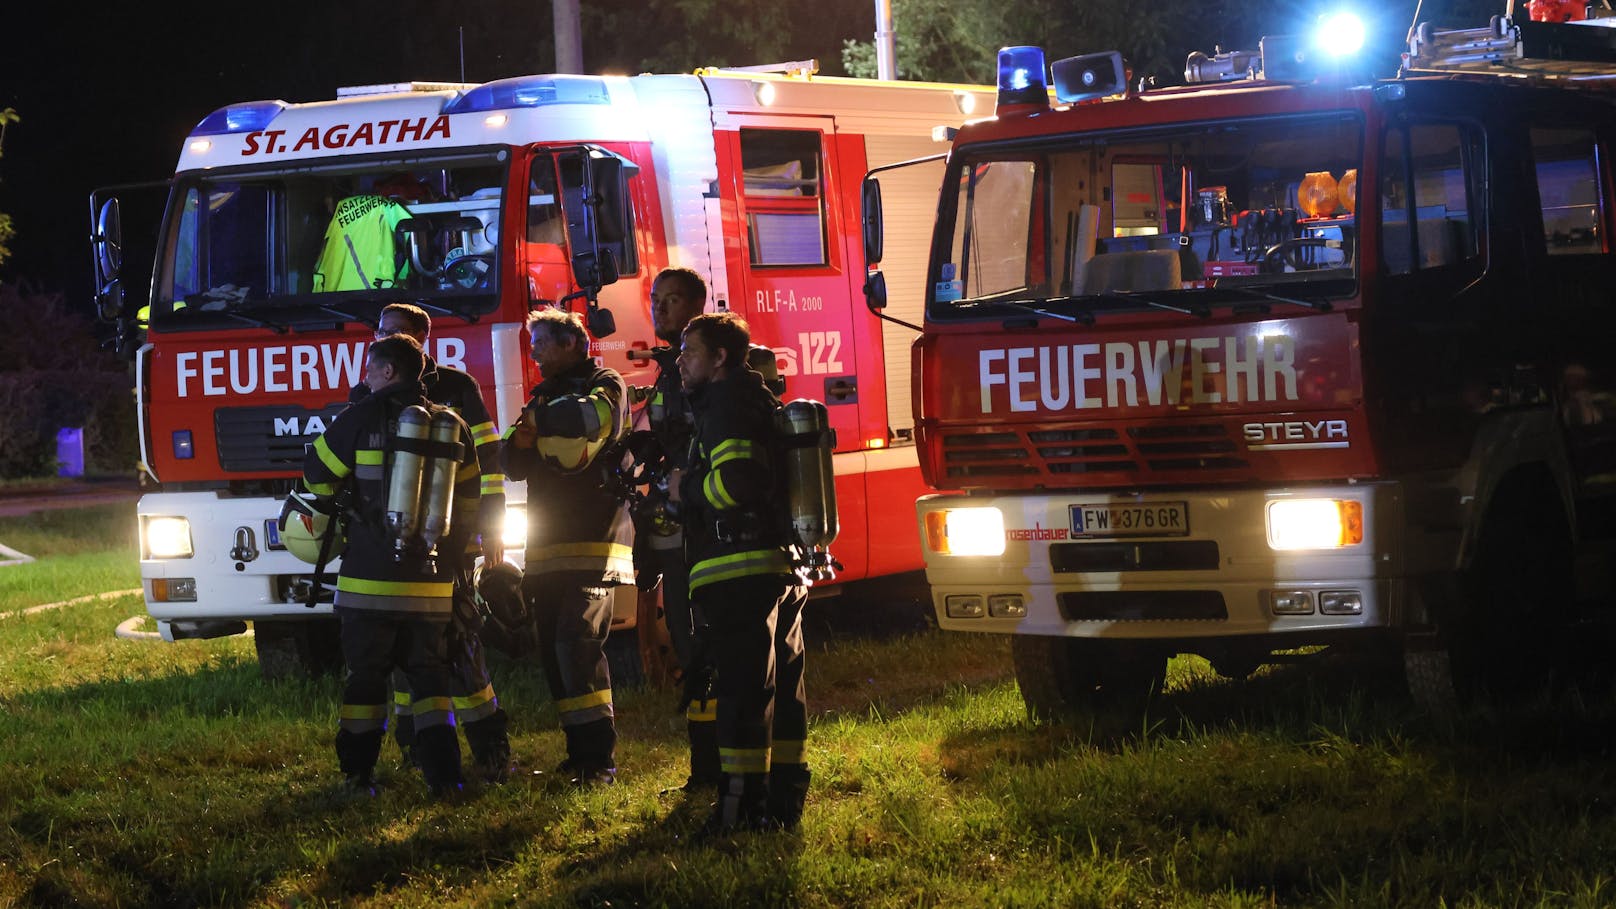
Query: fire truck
[(1279, 362), (485, 202)]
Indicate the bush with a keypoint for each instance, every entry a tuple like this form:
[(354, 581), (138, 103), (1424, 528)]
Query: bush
[(53, 374)]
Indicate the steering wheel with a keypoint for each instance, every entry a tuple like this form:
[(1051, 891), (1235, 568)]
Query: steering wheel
[(468, 272), (1289, 253)]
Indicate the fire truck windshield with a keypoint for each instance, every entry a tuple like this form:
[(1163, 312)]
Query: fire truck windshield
[(1177, 219), (287, 247)]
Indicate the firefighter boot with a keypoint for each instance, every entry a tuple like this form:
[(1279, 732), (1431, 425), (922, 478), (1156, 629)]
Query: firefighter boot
[(356, 758), (743, 804), (788, 791), (490, 747), (590, 748), (704, 772), (438, 749), (404, 735)]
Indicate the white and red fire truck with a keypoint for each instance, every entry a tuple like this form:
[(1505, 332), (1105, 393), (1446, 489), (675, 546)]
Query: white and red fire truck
[(1277, 361), (550, 190)]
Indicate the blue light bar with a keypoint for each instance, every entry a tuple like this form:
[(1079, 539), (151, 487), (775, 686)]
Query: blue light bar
[(531, 91), (1021, 76), (239, 118), (183, 448)]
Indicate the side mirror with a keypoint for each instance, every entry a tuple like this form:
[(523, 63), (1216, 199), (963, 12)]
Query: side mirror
[(875, 292), (109, 300), (608, 182), (107, 246), (601, 322), (594, 270), (870, 196)]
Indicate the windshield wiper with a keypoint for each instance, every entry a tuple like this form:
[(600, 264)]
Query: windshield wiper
[(470, 317), (1315, 305), (1037, 304), (1197, 311)]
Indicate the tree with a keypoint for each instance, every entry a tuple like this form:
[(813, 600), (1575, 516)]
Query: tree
[(7, 116)]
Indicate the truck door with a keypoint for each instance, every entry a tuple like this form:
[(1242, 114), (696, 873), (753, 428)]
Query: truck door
[(782, 174)]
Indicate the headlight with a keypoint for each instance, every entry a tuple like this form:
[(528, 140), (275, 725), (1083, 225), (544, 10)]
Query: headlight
[(515, 526), (1314, 523), (164, 537), (965, 531)]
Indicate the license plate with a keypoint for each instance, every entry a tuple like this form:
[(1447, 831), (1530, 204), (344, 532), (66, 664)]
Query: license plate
[(1101, 520), (272, 534)]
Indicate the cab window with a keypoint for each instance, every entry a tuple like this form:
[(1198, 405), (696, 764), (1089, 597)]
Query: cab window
[(1568, 190), (1428, 175), (781, 180)]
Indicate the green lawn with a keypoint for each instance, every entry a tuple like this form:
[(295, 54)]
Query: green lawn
[(146, 773)]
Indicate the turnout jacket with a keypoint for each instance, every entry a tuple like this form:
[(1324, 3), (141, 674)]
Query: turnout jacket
[(357, 450), (458, 391), (574, 523), (732, 493)]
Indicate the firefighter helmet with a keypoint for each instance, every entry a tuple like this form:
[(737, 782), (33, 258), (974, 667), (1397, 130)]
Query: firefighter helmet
[(499, 587), (303, 527)]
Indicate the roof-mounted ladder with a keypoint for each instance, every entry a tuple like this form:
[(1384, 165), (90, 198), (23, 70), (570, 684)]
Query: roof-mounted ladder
[(1575, 51)]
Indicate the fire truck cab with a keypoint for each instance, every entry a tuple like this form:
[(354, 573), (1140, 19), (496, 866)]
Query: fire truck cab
[(1278, 361), (289, 227)]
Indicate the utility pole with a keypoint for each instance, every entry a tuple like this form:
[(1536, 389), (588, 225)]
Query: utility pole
[(569, 41), (886, 55)]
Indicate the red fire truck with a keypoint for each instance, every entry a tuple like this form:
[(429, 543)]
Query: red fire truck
[(487, 201), (1276, 362)]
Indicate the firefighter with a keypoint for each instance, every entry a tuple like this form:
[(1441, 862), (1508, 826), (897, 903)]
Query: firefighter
[(477, 709), (392, 598), (677, 296), (741, 580), (577, 532)]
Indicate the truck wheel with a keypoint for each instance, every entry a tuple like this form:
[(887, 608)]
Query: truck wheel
[(1501, 641), (298, 649), (1060, 677)]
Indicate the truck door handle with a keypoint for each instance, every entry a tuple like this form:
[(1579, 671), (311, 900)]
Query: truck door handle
[(841, 390)]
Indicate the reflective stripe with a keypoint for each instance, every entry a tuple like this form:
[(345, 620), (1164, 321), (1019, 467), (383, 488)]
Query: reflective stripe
[(738, 565), (483, 433), (493, 484), (431, 712), (370, 456), (401, 703), (598, 417), (374, 472), (467, 473), (509, 430), (396, 588), (362, 718), (321, 489), (330, 460), (611, 558), (732, 450), (585, 708), (702, 711), (743, 760), (473, 707), (425, 606), (786, 752), (713, 489)]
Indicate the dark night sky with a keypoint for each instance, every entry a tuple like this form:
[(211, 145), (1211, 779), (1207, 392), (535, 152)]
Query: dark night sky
[(108, 93)]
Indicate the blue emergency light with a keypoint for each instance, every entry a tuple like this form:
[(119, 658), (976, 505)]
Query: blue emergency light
[(1339, 34), (239, 118), (531, 91), (1021, 76)]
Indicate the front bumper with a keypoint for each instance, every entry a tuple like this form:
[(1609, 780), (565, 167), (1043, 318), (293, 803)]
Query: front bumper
[(1217, 578)]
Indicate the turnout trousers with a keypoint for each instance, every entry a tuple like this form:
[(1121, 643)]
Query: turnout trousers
[(373, 644), (755, 626), (685, 627), (574, 615)]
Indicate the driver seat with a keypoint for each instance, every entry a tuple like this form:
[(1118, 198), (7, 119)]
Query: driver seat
[(1139, 271)]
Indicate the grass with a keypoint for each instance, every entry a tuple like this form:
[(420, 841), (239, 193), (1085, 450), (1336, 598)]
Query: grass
[(171, 774), (77, 551)]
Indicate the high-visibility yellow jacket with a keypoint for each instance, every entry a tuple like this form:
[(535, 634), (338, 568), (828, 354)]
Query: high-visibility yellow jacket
[(361, 247)]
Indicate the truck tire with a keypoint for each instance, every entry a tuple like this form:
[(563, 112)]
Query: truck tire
[(1062, 677), (1504, 640), (310, 648)]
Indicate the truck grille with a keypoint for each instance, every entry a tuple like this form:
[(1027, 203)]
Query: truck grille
[(248, 441), (1061, 453)]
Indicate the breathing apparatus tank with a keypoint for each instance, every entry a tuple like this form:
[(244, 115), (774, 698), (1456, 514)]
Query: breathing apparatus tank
[(807, 439), (437, 498), (404, 514)]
